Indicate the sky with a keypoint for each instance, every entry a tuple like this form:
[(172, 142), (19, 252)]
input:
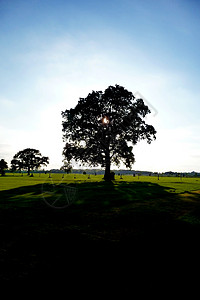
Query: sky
[(54, 52)]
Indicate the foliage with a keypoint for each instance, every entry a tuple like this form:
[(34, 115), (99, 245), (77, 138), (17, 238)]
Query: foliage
[(67, 167), (103, 127), (3, 166), (28, 159)]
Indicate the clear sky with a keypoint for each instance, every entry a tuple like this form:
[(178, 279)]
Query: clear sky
[(53, 52)]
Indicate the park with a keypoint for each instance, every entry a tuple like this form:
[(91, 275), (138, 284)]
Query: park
[(99, 147), (53, 223)]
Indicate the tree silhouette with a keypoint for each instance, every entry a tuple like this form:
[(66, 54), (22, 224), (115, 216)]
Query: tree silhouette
[(28, 159), (66, 167), (3, 167), (103, 127)]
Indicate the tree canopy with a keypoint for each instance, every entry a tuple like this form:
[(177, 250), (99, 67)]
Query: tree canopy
[(28, 159), (103, 128)]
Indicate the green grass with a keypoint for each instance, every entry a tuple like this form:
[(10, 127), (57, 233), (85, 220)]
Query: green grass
[(44, 221), (175, 184)]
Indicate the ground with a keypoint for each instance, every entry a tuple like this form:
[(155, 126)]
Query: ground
[(52, 225)]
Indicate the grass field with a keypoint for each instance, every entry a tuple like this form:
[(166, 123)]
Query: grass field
[(47, 222)]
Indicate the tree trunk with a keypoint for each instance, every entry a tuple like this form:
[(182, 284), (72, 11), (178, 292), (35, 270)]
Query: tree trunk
[(107, 172), (3, 172), (107, 169), (107, 175), (28, 170)]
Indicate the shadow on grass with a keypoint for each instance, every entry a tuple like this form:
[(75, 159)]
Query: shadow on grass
[(106, 220)]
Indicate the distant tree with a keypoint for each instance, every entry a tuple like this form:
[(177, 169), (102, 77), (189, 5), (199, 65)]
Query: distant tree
[(15, 165), (3, 167), (28, 159), (103, 127), (67, 167)]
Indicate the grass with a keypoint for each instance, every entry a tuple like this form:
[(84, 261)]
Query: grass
[(176, 184), (46, 223)]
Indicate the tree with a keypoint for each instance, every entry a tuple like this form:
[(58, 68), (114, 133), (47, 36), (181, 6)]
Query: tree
[(28, 159), (103, 127), (67, 167), (3, 167), (16, 164)]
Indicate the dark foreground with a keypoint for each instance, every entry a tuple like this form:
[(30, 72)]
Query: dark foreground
[(130, 229)]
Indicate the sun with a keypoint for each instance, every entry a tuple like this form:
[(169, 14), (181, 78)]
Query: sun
[(105, 120)]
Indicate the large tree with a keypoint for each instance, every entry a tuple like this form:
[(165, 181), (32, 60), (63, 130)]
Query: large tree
[(104, 126), (28, 159), (3, 167)]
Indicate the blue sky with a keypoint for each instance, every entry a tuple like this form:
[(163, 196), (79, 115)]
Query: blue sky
[(53, 52)]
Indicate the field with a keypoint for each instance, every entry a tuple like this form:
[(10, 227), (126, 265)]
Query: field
[(48, 223)]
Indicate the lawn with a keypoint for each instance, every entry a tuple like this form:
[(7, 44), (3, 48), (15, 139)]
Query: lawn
[(45, 223), (176, 184)]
